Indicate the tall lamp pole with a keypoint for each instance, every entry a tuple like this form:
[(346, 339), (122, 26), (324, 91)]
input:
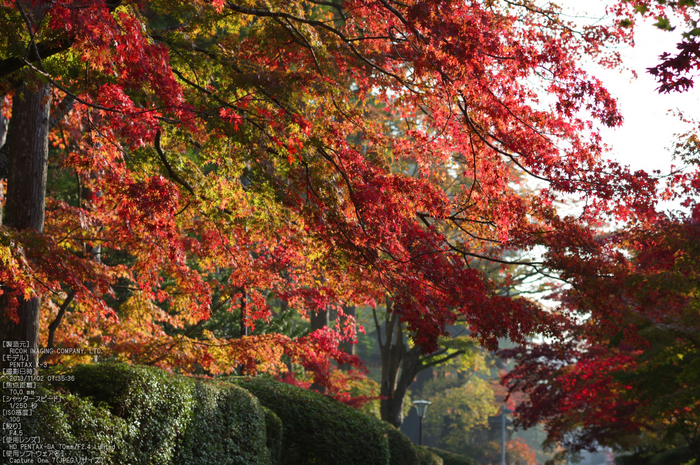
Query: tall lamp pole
[(421, 407), (503, 435), (504, 410)]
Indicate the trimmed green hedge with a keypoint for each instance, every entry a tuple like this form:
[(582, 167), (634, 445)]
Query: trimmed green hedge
[(157, 407), (227, 426), (275, 434), (427, 457), (450, 458), (177, 420), (319, 430), (78, 431), (130, 415), (401, 449), (681, 455), (122, 414)]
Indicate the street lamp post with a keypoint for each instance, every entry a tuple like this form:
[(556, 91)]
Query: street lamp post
[(503, 435), (421, 407), (504, 410)]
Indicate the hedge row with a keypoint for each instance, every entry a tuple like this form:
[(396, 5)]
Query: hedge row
[(449, 458), (681, 455), (319, 430), (74, 428), (121, 414), (427, 457)]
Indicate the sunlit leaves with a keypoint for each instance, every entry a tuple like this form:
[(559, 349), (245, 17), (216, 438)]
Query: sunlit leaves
[(230, 155)]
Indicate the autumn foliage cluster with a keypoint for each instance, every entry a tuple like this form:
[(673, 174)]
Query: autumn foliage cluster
[(252, 158), (623, 372), (625, 375)]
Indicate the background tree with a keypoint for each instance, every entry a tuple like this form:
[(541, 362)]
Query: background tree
[(625, 375), (401, 361), (632, 368), (462, 400)]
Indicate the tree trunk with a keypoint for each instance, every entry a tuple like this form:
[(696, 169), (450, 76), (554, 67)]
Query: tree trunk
[(3, 121), (400, 365), (393, 351), (345, 346), (409, 364), (320, 319), (25, 201)]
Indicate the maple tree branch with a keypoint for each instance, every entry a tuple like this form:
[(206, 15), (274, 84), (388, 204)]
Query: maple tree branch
[(164, 355), (480, 133), (472, 188), (378, 326), (41, 50), (345, 177), (523, 122), (306, 43), (457, 222), (400, 3), (203, 90), (42, 71), (216, 57), (171, 172), (396, 13), (276, 14), (371, 260), (61, 110), (481, 136), (547, 275), (438, 361), (183, 209), (546, 13), (457, 219), (336, 6), (54, 324), (463, 252), (492, 259), (477, 237), (401, 18), (65, 90)]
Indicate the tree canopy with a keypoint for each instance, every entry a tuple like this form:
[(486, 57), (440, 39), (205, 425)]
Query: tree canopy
[(210, 157), (623, 372)]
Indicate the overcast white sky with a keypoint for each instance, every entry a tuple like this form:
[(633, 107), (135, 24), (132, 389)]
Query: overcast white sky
[(649, 129)]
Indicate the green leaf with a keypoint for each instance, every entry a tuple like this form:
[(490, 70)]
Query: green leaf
[(664, 24), (626, 23)]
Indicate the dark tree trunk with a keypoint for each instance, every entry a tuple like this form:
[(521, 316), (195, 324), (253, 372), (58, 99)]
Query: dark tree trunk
[(393, 350), (320, 319), (400, 365), (25, 202), (3, 121), (244, 304), (345, 346)]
